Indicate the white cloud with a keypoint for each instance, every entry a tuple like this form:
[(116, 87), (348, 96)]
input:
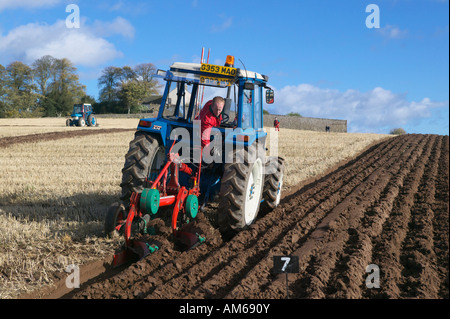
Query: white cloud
[(119, 26), (132, 7), (377, 110), (26, 4), (117, 6), (226, 23), (84, 46), (392, 32)]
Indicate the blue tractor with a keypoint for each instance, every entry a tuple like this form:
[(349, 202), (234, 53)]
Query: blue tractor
[(82, 115), (244, 180)]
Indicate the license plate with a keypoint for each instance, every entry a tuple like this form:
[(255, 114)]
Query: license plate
[(217, 69), (209, 80)]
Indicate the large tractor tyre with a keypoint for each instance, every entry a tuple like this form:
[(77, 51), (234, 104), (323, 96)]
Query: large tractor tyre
[(241, 192), (273, 183), (81, 122), (91, 121), (145, 158)]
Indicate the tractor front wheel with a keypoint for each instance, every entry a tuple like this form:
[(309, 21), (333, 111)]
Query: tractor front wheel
[(241, 192)]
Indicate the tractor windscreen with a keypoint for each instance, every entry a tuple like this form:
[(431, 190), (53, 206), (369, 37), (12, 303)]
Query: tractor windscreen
[(188, 91), (78, 108)]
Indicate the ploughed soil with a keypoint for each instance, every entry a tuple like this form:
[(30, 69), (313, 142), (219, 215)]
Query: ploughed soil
[(377, 226)]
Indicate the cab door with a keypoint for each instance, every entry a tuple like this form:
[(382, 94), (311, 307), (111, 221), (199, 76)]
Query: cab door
[(257, 104), (246, 102)]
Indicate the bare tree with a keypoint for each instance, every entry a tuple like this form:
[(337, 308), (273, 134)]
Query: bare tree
[(109, 83), (145, 73), (43, 70)]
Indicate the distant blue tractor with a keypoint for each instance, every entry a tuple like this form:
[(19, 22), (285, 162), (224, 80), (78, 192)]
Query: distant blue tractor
[(82, 115), (243, 179)]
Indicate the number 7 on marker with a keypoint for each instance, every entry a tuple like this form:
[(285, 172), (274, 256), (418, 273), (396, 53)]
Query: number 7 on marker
[(286, 262)]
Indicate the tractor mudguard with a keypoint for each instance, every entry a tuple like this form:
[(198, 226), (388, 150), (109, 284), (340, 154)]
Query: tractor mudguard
[(155, 128)]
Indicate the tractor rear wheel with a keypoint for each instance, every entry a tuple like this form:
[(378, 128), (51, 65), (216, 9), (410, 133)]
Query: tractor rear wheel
[(144, 159), (241, 192), (92, 121), (273, 183)]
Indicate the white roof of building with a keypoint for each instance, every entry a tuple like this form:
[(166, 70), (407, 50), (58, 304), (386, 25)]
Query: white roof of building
[(196, 67)]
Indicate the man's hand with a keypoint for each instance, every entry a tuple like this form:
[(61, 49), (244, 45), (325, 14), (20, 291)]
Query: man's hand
[(215, 152), (173, 157)]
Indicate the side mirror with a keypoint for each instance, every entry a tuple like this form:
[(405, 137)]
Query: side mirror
[(270, 97)]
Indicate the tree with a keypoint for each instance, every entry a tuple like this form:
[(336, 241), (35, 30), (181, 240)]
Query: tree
[(145, 73), (2, 80), (50, 87), (127, 74), (294, 114), (20, 91), (136, 84), (397, 131), (2, 90), (123, 89), (58, 102), (44, 70), (88, 99), (109, 83), (131, 94), (64, 89)]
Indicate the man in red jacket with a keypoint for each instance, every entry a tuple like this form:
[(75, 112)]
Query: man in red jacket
[(276, 124), (210, 116)]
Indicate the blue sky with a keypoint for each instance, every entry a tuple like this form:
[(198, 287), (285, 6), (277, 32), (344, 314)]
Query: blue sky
[(321, 58)]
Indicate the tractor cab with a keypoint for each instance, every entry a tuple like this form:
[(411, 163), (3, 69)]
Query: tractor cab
[(78, 109), (189, 86)]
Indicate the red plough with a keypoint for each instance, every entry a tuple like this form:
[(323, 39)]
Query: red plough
[(164, 191)]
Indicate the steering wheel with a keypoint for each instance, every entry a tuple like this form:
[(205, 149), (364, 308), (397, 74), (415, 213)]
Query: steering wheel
[(225, 118)]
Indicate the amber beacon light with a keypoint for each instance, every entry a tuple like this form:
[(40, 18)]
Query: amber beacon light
[(230, 61)]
